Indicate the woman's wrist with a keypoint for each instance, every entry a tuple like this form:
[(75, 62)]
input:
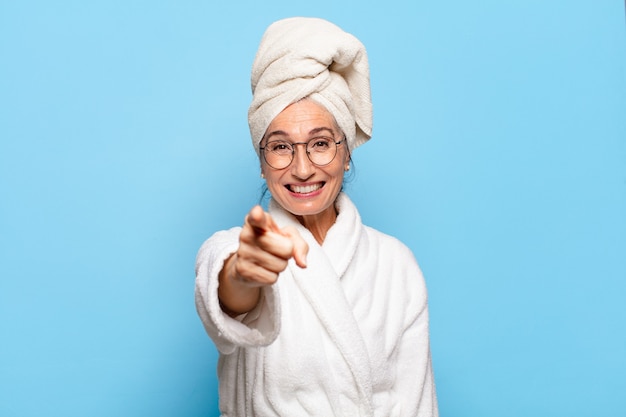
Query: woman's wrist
[(234, 295)]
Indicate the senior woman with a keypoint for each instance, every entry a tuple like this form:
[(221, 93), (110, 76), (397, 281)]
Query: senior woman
[(313, 313)]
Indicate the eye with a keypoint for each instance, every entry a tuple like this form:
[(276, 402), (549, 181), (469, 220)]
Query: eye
[(320, 144), (279, 147)]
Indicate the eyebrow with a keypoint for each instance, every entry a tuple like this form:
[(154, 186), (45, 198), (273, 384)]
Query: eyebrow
[(312, 132)]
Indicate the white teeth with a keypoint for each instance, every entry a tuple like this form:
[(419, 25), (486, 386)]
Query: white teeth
[(305, 189)]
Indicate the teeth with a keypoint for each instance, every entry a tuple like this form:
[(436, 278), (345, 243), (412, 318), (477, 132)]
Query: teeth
[(305, 189)]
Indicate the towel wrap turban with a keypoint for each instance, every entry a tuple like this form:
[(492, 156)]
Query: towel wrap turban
[(309, 57)]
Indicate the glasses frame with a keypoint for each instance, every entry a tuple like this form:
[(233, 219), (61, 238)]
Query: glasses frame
[(308, 154)]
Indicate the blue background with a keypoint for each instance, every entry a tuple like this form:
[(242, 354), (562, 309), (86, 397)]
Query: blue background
[(498, 156)]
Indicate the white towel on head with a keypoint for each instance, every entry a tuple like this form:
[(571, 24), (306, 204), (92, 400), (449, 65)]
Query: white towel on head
[(309, 57)]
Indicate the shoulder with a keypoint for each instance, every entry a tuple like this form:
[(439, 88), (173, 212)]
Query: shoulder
[(388, 244)]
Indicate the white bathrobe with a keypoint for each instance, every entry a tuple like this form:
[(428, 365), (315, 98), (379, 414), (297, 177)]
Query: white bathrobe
[(346, 336)]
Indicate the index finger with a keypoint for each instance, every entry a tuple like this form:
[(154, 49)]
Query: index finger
[(261, 221)]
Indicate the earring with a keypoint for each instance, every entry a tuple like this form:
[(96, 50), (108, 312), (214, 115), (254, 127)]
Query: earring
[(262, 175), (347, 167)]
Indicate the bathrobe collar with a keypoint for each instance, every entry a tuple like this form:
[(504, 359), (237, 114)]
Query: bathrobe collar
[(320, 283), (342, 238)]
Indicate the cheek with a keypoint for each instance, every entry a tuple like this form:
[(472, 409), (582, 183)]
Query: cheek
[(272, 180), (338, 175)]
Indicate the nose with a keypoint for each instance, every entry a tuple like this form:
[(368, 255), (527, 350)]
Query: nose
[(301, 167)]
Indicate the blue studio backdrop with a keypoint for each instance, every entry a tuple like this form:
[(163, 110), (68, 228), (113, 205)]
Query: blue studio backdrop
[(498, 157)]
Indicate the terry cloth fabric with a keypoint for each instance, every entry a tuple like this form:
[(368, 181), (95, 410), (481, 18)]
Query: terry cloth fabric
[(346, 336), (309, 57)]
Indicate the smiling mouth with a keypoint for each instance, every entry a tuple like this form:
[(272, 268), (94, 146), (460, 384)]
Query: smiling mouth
[(305, 189)]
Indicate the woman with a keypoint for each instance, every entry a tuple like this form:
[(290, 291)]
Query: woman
[(313, 313)]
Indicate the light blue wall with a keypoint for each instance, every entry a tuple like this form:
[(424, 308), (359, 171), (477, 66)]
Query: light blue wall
[(499, 157)]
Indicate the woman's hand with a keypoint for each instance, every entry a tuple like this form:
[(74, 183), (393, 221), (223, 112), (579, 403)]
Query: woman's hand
[(263, 253)]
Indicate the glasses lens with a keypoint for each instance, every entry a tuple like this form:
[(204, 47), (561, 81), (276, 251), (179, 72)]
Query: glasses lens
[(321, 150), (278, 154)]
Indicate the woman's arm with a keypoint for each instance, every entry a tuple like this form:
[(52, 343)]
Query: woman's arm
[(235, 296), (229, 282), (415, 384)]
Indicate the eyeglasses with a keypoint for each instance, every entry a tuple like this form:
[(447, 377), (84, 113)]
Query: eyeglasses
[(320, 150)]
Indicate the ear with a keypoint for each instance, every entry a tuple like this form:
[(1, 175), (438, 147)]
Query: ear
[(261, 167)]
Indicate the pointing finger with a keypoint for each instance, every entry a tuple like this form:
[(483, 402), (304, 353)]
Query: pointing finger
[(260, 221)]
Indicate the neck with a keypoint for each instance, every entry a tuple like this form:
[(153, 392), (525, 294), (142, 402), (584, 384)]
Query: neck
[(319, 224)]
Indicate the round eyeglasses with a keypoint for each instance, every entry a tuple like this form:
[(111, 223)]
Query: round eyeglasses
[(320, 150)]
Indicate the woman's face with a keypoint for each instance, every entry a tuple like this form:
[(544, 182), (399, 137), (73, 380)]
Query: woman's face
[(303, 188)]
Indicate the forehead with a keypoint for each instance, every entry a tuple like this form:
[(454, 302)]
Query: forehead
[(301, 119)]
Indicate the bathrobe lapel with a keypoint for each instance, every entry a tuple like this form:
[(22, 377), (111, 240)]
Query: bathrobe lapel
[(321, 284)]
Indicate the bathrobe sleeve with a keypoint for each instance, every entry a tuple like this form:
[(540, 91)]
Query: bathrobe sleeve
[(414, 380), (259, 327)]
